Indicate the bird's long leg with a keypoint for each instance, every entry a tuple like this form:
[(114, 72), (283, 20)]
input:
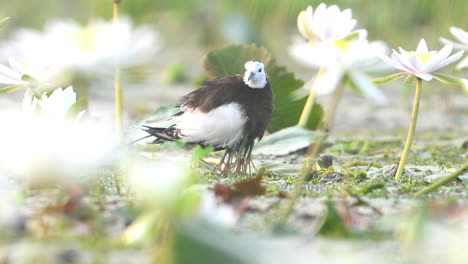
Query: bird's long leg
[(221, 162), (228, 163), (248, 163), (240, 168), (210, 166)]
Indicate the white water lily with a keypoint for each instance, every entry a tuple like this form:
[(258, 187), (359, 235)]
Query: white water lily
[(159, 182), (326, 23), (462, 37), (44, 141), (50, 108), (67, 45), (220, 214), (18, 75), (9, 210), (353, 57), (422, 63), (100, 43)]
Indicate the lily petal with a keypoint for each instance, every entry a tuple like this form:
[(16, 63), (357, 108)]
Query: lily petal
[(365, 85), (463, 64), (438, 58), (422, 46), (459, 34), (449, 60), (404, 61), (424, 76), (393, 63), (9, 76), (326, 82), (455, 45)]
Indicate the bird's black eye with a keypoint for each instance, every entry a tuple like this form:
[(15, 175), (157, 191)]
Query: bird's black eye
[(259, 70)]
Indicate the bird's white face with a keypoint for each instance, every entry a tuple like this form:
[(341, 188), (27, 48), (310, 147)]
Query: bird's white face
[(255, 76)]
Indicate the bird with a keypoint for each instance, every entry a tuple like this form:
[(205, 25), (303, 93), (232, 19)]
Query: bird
[(227, 113)]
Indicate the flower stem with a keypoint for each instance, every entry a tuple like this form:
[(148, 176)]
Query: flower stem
[(314, 150), (443, 181), (309, 105), (412, 128), (117, 85)]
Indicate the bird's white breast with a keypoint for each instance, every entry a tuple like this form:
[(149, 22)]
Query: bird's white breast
[(222, 126)]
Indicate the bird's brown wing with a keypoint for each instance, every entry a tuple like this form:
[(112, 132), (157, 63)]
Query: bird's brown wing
[(213, 93)]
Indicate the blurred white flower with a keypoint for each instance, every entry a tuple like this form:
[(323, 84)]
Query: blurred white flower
[(160, 183), (21, 75), (11, 75), (101, 43), (93, 48), (462, 37), (44, 142), (422, 63), (220, 214), (8, 204), (354, 57), (51, 108), (326, 23)]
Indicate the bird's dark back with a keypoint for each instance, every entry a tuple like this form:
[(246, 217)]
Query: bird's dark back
[(256, 102)]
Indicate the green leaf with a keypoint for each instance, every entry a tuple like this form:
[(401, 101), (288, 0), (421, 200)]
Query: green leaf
[(409, 79), (332, 224), (231, 59), (352, 36), (3, 22), (174, 73), (28, 78), (76, 108), (199, 152), (447, 79), (10, 88), (199, 242), (285, 141), (388, 78)]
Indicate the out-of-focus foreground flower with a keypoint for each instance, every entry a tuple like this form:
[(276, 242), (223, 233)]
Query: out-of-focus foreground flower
[(326, 23), (356, 57), (50, 139), (167, 194), (68, 47), (462, 37), (18, 75), (8, 203), (341, 56)]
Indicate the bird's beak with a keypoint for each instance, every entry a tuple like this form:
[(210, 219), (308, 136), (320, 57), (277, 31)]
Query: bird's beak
[(252, 74)]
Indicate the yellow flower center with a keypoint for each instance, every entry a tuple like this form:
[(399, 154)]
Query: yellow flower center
[(342, 45), (424, 57), (86, 39)]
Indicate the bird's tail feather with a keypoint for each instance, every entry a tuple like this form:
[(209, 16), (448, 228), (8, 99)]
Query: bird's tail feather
[(162, 134)]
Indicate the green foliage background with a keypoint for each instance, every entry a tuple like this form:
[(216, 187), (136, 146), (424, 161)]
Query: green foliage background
[(398, 22)]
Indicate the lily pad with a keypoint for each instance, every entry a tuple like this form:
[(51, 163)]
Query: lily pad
[(231, 59), (285, 141)]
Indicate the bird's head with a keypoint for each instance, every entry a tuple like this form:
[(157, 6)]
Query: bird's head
[(255, 75)]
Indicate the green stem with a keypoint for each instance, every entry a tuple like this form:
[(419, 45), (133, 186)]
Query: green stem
[(412, 128), (117, 86), (443, 181), (309, 105), (314, 150)]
